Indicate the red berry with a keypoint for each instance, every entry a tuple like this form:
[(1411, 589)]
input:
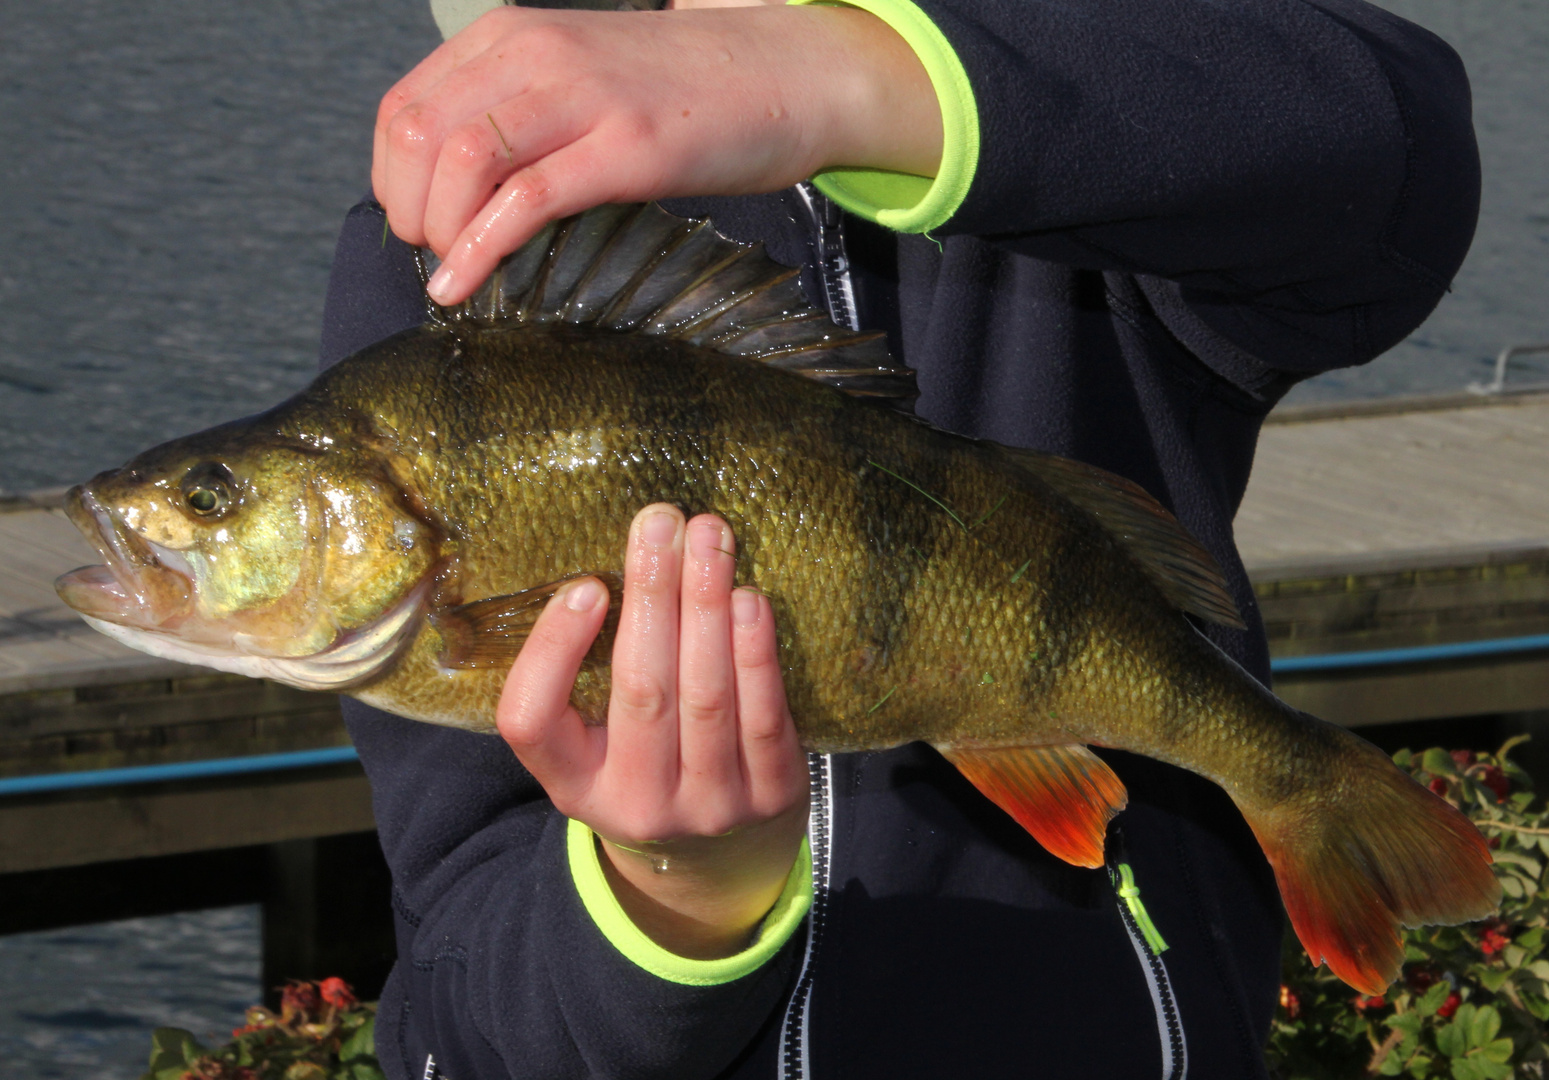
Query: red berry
[(1290, 1002), (1422, 978), (336, 992), (1463, 758), (1439, 786), (1449, 1006), (1495, 780), (1493, 937)]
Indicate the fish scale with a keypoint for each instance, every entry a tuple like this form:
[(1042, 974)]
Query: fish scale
[(393, 531)]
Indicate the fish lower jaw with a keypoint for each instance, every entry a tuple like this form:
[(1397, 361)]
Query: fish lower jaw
[(106, 594), (354, 659)]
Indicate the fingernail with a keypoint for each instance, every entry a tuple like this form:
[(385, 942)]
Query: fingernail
[(744, 607), (659, 529), (440, 284), (584, 595), (708, 539)]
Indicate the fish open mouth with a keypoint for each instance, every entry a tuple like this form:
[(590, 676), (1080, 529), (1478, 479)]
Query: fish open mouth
[(139, 583), (142, 594)]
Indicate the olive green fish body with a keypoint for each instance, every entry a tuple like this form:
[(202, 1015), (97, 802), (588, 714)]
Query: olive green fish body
[(926, 586), (392, 532)]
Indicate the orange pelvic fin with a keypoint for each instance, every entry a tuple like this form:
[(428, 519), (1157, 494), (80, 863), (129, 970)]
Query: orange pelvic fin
[(1063, 795), (1381, 853)]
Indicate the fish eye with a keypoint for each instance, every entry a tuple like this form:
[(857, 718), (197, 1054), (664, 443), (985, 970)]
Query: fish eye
[(208, 489)]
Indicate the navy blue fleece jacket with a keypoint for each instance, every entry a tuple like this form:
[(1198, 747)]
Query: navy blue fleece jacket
[(1180, 208)]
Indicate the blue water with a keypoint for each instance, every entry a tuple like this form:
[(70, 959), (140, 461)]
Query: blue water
[(173, 177), (1501, 296), (80, 1004), (175, 172)]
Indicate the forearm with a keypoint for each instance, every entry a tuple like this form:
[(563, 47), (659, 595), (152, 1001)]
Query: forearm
[(1261, 132)]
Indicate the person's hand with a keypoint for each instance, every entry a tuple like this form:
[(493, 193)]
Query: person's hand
[(531, 114), (697, 786)]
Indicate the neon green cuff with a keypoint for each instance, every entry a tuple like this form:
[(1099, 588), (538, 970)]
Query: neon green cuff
[(604, 908), (901, 201)]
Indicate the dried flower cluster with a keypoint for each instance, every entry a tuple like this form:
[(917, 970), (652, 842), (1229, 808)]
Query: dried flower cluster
[(320, 1033), (1473, 1003)]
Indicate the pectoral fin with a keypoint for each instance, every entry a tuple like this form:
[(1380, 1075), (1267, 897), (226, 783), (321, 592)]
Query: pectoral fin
[(1063, 795), (489, 633)]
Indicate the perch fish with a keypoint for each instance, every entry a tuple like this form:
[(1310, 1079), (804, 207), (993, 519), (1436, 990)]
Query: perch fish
[(392, 532)]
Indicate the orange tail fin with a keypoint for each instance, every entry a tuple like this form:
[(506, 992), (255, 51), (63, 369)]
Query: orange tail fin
[(1379, 852)]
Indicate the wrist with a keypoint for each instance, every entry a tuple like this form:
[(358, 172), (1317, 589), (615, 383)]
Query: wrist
[(879, 106), (704, 898)]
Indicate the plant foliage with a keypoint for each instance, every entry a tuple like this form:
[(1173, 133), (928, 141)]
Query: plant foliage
[(1473, 1001), (320, 1033)]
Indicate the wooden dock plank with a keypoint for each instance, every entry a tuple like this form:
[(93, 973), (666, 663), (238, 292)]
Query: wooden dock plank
[(1414, 481), (108, 825)]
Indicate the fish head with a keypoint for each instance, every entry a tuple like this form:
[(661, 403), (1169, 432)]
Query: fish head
[(257, 553)]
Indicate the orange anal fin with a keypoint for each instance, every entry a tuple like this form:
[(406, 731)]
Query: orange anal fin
[(1063, 795)]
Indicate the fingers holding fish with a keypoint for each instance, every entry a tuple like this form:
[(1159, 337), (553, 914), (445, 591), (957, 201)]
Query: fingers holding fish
[(535, 716), (422, 107), (482, 154), (641, 771), (712, 786), (772, 757), (585, 108)]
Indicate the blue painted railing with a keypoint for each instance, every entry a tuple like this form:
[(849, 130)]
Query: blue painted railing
[(177, 770)]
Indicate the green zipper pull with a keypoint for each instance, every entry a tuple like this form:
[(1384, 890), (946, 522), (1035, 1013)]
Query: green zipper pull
[(1129, 892)]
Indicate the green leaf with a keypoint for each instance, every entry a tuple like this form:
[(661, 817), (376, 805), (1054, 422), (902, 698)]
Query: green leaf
[(1511, 885), (362, 1043), (173, 1047), (1452, 1040), (1529, 864), (1492, 978), (360, 1070), (1489, 1070), (1408, 1022), (1432, 1000), (1485, 1026), (1499, 1051), (1466, 1069), (1438, 761), (1533, 939)]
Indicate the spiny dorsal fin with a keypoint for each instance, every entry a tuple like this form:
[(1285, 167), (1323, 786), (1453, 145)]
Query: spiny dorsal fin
[(638, 269), (1180, 566), (1063, 795)]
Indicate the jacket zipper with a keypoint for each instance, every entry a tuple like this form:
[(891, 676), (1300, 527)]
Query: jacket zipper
[(795, 1031), (1169, 1028), (833, 261)]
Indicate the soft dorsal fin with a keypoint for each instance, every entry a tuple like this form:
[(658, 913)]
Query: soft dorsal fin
[(638, 269), (1063, 795), (1180, 566)]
